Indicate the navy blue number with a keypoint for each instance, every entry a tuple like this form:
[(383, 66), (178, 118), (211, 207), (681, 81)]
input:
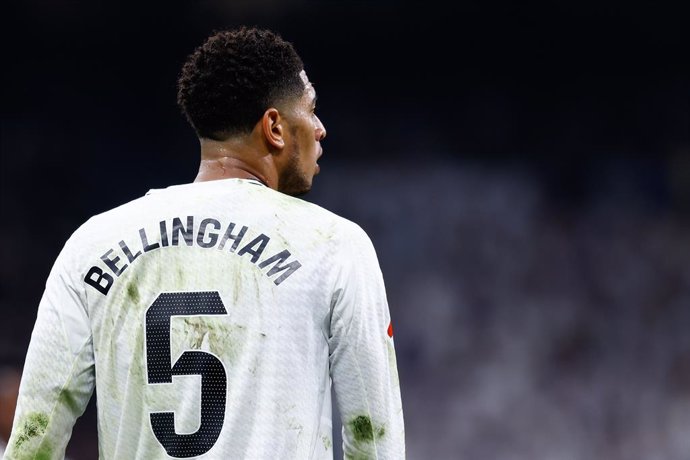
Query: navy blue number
[(161, 370)]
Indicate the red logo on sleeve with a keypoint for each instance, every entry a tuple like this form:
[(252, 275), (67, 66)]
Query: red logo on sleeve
[(390, 329)]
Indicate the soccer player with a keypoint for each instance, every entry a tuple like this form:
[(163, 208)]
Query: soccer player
[(211, 317)]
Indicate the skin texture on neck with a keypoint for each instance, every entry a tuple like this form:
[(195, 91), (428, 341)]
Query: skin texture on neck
[(240, 157)]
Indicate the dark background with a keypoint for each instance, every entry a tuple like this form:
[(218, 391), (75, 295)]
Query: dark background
[(523, 170)]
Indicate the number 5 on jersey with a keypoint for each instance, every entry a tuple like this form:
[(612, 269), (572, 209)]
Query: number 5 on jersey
[(160, 370)]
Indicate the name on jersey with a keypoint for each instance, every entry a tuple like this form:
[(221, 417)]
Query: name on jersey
[(208, 235)]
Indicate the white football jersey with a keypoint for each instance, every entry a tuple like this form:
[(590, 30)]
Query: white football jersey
[(211, 317)]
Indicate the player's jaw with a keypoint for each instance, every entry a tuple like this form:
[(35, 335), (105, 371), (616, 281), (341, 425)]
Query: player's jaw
[(298, 174)]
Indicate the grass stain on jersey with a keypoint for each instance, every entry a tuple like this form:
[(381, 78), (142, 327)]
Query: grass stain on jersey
[(357, 457), (364, 431), (45, 452), (34, 426), (68, 400), (133, 292), (327, 442)]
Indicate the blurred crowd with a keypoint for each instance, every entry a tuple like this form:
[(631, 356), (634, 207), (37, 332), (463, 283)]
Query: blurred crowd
[(531, 326)]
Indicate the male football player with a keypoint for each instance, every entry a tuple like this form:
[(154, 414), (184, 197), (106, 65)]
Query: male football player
[(211, 317)]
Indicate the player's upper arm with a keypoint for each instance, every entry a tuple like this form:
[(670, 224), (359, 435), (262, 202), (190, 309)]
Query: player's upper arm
[(362, 355), (58, 375)]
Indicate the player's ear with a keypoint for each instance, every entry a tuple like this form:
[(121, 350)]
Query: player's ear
[(272, 128)]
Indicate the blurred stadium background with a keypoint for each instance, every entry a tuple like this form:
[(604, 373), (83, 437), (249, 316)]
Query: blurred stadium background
[(523, 171)]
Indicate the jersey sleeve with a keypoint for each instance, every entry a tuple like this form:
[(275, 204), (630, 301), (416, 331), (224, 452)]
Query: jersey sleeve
[(58, 376), (362, 356)]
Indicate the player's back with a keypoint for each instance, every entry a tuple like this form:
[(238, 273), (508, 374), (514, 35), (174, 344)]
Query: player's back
[(209, 311)]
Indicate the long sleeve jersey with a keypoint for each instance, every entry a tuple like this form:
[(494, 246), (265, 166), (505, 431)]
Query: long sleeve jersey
[(212, 318)]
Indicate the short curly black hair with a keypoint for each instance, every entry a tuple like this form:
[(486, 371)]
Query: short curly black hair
[(227, 83)]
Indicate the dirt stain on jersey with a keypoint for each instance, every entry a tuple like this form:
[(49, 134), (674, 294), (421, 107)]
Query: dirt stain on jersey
[(212, 335), (326, 236), (195, 333), (34, 425)]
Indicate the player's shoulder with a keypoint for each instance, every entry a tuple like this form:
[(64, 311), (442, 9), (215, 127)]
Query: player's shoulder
[(321, 219)]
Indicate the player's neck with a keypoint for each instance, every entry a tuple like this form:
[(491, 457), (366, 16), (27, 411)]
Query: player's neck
[(235, 160)]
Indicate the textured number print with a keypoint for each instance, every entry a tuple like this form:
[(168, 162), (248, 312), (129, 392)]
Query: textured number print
[(160, 370)]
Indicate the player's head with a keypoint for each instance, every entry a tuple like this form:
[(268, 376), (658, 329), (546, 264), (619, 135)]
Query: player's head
[(246, 78)]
